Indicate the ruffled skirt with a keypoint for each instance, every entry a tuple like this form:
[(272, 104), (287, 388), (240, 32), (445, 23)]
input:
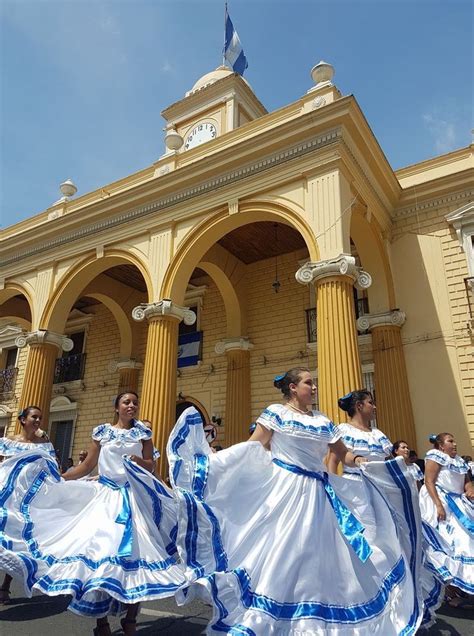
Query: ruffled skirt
[(278, 549), (450, 543), (103, 544)]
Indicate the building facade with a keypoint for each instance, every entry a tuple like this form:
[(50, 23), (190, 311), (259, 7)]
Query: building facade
[(257, 242)]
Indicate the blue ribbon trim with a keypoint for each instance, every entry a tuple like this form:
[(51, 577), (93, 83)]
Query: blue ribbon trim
[(125, 516), (350, 527), (463, 519)]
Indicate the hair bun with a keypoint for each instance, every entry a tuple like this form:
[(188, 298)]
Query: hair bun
[(432, 438), (278, 380), (344, 402)]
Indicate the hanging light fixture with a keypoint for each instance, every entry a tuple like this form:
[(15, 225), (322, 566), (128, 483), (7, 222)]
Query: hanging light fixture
[(276, 283)]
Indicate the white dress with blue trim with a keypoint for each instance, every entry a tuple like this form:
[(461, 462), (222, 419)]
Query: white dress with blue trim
[(450, 548), (373, 445), (107, 542), (278, 546)]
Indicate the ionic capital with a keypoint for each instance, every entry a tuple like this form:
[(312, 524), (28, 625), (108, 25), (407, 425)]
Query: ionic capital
[(127, 364), (42, 336), (232, 344), (342, 265), (393, 318), (164, 307)]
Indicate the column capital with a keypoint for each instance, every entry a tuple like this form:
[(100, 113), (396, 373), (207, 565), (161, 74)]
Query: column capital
[(162, 308), (393, 318), (127, 364), (342, 265), (43, 336), (232, 344)]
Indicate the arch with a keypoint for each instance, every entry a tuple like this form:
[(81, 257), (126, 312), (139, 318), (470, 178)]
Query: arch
[(21, 322), (123, 323), (77, 278), (374, 259), (12, 289), (187, 401), (202, 237)]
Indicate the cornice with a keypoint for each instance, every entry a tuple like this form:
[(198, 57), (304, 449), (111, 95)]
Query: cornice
[(434, 162), (184, 195), (434, 203)]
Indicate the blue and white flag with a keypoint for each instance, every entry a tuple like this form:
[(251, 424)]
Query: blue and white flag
[(233, 51), (189, 349)]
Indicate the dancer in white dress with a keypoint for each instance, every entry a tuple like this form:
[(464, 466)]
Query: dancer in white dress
[(374, 445), (357, 434), (31, 438), (276, 544), (447, 509), (400, 448), (109, 542)]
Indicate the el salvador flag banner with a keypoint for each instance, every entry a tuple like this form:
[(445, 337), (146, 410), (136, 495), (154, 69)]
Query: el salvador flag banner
[(233, 51), (189, 349)]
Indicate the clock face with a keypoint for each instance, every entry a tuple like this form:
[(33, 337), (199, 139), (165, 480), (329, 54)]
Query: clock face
[(200, 134)]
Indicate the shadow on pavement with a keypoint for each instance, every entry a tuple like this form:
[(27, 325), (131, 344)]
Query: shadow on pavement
[(28, 609), (189, 625)]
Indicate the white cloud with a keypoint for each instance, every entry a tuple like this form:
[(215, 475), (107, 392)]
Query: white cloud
[(444, 132)]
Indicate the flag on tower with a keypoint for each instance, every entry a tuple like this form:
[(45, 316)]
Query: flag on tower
[(233, 51)]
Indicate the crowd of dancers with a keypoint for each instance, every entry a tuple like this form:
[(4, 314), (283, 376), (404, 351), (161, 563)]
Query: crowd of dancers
[(266, 531)]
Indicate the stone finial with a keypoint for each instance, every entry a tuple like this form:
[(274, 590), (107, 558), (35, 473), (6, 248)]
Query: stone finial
[(322, 73)]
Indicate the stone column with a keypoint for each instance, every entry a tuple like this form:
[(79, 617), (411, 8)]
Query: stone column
[(394, 409), (237, 400), (158, 399), (339, 369), (44, 348), (128, 375)]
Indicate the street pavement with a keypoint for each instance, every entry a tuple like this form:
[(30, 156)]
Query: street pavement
[(47, 616)]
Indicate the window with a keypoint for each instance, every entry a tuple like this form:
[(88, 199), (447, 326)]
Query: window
[(61, 438), (70, 366)]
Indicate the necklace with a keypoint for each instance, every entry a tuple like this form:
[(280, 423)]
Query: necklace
[(292, 406)]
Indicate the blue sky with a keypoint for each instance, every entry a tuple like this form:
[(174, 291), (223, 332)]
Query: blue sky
[(84, 81)]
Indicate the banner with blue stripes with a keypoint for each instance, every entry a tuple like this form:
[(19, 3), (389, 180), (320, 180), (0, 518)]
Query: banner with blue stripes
[(189, 349), (233, 51)]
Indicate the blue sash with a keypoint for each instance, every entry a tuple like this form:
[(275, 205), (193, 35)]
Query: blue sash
[(349, 526), (124, 517)]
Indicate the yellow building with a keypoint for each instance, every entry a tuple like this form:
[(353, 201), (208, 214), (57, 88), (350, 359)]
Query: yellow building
[(258, 241)]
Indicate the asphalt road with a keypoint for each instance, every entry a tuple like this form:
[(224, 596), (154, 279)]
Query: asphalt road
[(47, 616)]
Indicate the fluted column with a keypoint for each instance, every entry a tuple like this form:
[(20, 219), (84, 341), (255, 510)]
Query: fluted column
[(158, 399), (237, 401), (128, 375), (394, 409), (44, 348), (339, 369)]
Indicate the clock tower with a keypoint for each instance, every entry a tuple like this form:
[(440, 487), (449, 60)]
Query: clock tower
[(218, 103)]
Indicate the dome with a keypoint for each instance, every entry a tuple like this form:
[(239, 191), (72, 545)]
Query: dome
[(212, 77)]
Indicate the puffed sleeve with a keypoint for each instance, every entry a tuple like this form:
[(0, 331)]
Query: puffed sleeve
[(437, 456), (270, 417), (99, 432), (142, 432)]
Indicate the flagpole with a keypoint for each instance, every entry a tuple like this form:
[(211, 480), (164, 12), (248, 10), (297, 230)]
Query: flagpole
[(225, 23)]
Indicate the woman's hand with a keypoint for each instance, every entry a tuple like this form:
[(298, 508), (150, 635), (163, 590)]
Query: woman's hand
[(441, 512)]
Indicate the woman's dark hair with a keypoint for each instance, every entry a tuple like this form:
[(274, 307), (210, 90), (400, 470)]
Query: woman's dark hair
[(26, 411), (438, 440), (120, 396), (396, 445), (283, 381), (348, 402)]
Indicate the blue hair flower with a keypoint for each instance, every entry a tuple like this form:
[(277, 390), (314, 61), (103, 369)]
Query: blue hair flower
[(277, 378), (347, 396)]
